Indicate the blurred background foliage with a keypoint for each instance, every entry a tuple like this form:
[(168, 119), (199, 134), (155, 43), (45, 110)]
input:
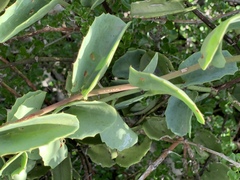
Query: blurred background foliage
[(45, 56)]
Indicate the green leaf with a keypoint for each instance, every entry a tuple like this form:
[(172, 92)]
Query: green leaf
[(210, 74), (96, 3), (207, 139), (156, 8), (63, 171), (25, 105), (2, 162), (134, 154), (96, 52), (91, 3), (121, 66), (101, 155), (164, 65), (34, 155), (216, 170), (156, 128), (177, 108), (126, 3), (211, 50), (94, 117), (150, 68), (37, 172), (22, 14), (35, 132), (126, 103), (157, 85), (119, 136), (3, 4), (16, 165), (53, 153)]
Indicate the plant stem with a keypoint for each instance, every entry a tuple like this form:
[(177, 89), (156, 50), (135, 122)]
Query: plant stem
[(119, 88), (118, 95), (77, 97), (200, 88), (163, 156)]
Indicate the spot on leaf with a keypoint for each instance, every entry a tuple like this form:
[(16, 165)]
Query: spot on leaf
[(85, 73), (142, 79), (92, 56)]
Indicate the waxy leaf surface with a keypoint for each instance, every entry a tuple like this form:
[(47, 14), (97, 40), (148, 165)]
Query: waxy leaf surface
[(96, 52), (22, 14), (35, 132), (156, 85), (211, 50)]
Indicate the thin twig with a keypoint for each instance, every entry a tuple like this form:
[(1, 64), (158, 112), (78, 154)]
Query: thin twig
[(36, 60), (152, 110), (77, 97), (9, 89), (29, 83), (44, 30), (161, 158), (194, 162), (114, 89), (227, 84), (236, 164), (201, 147)]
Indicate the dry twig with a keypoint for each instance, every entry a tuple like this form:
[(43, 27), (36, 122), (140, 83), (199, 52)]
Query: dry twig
[(29, 83)]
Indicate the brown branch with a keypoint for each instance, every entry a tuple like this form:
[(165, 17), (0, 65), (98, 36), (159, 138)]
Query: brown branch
[(76, 97), (236, 164), (9, 89), (107, 8), (29, 83), (36, 60), (202, 148), (114, 89), (44, 30), (161, 158), (227, 85), (195, 164)]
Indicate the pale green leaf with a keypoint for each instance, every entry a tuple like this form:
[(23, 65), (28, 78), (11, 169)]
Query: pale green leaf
[(25, 105), (35, 132), (216, 170), (3, 4), (53, 153), (119, 136), (156, 85), (211, 50), (63, 171), (156, 8), (94, 117), (179, 116), (133, 154), (96, 52), (210, 74), (156, 128), (208, 140), (15, 165), (22, 14), (150, 68), (101, 155), (121, 66)]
